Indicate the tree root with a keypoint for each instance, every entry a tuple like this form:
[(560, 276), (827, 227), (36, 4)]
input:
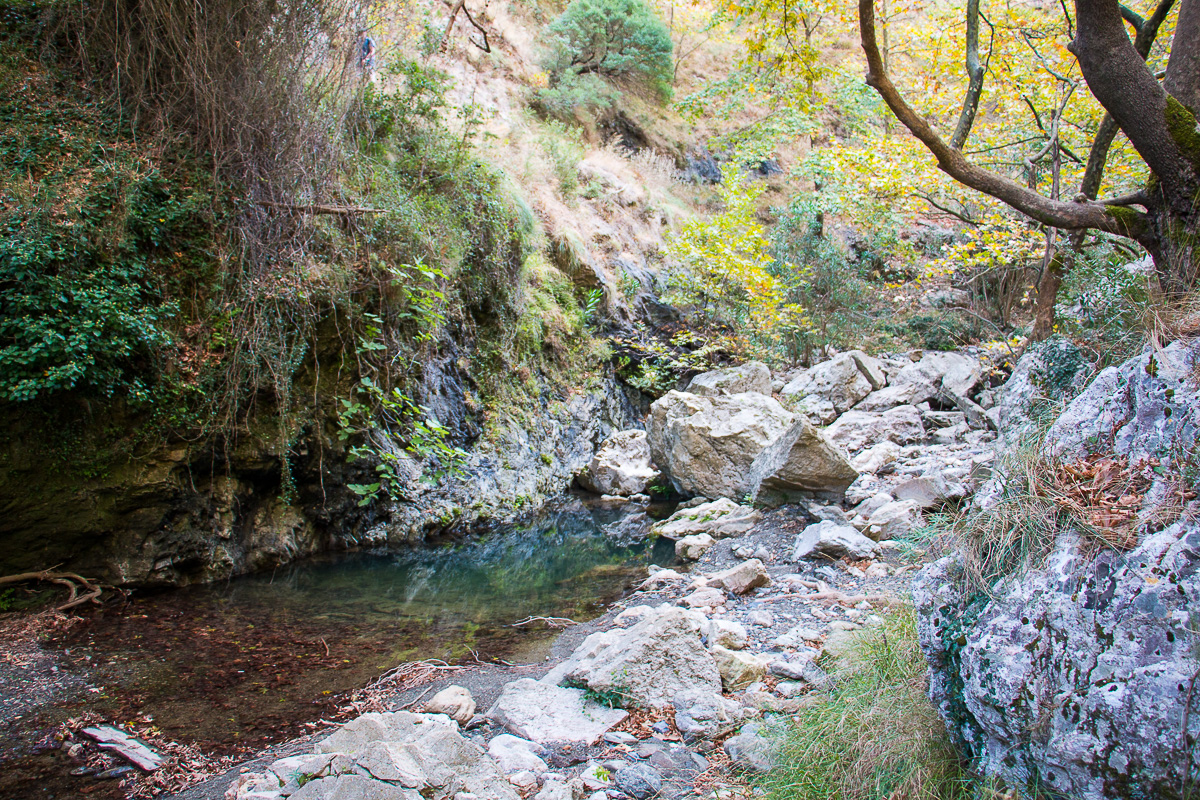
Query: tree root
[(74, 583)]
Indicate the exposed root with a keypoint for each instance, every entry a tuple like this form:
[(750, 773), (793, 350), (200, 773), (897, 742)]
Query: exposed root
[(74, 583), (374, 696)]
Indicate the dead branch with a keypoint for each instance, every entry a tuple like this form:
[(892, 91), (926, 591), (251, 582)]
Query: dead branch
[(461, 5), (553, 622), (343, 211), (73, 582)]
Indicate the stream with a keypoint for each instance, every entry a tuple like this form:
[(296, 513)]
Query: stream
[(236, 666)]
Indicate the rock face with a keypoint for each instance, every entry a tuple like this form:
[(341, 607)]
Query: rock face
[(392, 756), (1077, 674), (753, 376), (1047, 373), (621, 465), (648, 663)]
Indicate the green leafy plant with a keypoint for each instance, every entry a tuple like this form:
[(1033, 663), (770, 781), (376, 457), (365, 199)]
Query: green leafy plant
[(612, 38)]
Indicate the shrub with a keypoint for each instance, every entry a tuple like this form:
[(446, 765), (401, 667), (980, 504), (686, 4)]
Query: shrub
[(574, 97), (612, 38), (875, 734), (940, 330)]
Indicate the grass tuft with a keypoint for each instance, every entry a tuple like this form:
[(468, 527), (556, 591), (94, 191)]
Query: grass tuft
[(875, 734)]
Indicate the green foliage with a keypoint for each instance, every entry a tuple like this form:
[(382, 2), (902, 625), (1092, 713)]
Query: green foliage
[(1104, 302), (92, 239), (615, 697), (939, 330), (654, 367), (874, 735), (560, 143), (406, 112), (574, 97), (612, 38)]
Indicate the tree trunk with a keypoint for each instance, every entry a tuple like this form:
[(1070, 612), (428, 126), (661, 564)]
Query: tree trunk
[(1047, 295)]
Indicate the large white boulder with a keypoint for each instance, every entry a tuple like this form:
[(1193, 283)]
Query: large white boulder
[(753, 376), (647, 664), (832, 540), (621, 465), (857, 430), (803, 463), (843, 380), (541, 712), (720, 519)]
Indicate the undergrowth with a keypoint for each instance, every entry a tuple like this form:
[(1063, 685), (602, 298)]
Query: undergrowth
[(874, 735)]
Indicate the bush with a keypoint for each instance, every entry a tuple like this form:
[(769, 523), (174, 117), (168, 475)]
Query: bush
[(941, 330), (612, 38), (875, 735), (574, 97)]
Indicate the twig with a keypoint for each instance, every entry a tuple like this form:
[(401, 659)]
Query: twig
[(553, 622), (416, 699)]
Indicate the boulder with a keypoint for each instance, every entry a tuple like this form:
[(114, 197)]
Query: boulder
[(929, 491), (693, 548), (738, 669), (832, 540), (801, 464), (753, 376), (707, 445), (455, 702), (648, 663), (751, 749), (875, 458), (544, 713), (638, 781), (842, 381), (872, 504), (621, 465), (720, 519), (857, 430), (894, 520), (390, 756), (701, 715), (1047, 374), (515, 754), (725, 632), (705, 597), (741, 578), (920, 381), (818, 410)]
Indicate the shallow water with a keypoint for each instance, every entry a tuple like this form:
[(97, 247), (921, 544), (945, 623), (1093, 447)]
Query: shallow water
[(246, 663)]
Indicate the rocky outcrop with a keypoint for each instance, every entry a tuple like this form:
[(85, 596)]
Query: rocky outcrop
[(621, 465), (1078, 675)]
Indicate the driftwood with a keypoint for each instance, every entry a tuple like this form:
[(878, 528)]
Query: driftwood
[(553, 622), (73, 582), (126, 746)]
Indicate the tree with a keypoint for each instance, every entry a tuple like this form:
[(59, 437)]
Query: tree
[(1160, 121), (613, 38)]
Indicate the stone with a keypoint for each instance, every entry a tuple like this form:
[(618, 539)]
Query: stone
[(804, 670), (357, 787), (726, 633), (801, 464), (621, 465), (515, 754), (562, 790), (751, 749), (704, 715), (706, 445), (705, 597), (872, 504), (1047, 374), (742, 578), (857, 430), (455, 702), (831, 540), (797, 636), (928, 491), (638, 780), (648, 663), (842, 381), (737, 669), (893, 521), (818, 410), (524, 780), (875, 458), (693, 547), (719, 519), (544, 713), (753, 376), (620, 737), (761, 617)]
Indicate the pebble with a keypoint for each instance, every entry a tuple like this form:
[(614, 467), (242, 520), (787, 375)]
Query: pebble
[(524, 780), (115, 772)]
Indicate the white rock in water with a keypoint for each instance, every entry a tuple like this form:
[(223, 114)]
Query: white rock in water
[(621, 465), (455, 702), (753, 376)]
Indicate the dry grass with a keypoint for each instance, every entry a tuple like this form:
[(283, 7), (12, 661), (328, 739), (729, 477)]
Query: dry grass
[(875, 735)]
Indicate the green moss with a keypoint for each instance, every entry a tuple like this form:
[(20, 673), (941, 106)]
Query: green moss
[(1181, 123), (1128, 219)]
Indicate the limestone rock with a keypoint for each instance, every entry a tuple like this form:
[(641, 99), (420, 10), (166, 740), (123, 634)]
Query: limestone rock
[(692, 548), (751, 749), (544, 713), (703, 715), (1048, 373), (621, 465), (832, 540), (706, 445), (741, 578), (738, 669), (875, 458), (843, 380), (753, 376), (455, 702), (725, 632), (720, 519), (515, 754), (648, 663), (705, 597), (894, 520), (638, 781), (818, 410), (802, 463), (858, 430)]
